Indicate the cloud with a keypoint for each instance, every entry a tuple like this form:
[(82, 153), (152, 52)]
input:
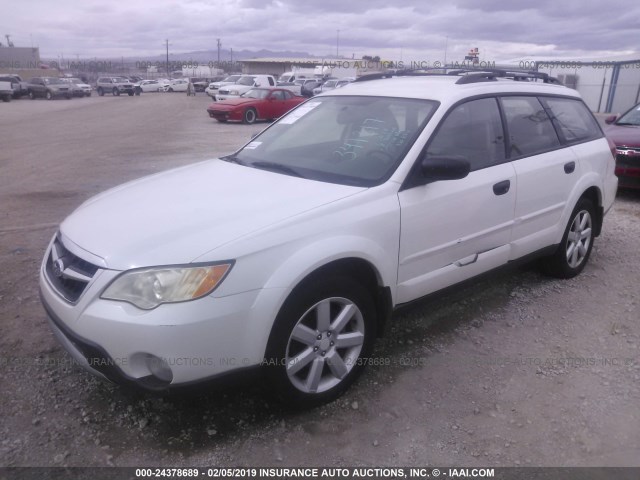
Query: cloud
[(406, 28)]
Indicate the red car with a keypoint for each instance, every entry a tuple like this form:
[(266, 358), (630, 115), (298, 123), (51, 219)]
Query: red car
[(625, 133), (256, 104)]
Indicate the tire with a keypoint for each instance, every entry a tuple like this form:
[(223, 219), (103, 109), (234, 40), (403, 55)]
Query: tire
[(6, 98), (31, 95), (130, 94), (116, 92), (100, 92), (171, 90), (250, 116), (575, 248), (304, 367), (48, 95), (68, 97), (222, 120)]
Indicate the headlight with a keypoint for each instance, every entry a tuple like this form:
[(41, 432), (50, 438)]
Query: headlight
[(147, 288)]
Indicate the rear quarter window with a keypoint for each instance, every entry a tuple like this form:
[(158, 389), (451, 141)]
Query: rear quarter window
[(572, 119)]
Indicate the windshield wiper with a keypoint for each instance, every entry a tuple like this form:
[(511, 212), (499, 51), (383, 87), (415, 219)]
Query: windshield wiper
[(627, 123), (277, 167)]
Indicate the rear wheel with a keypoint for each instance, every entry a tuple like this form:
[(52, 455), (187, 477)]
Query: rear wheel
[(320, 341), (100, 91), (575, 248), (116, 92), (250, 116), (6, 98), (48, 95)]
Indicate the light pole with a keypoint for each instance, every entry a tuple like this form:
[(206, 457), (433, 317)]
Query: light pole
[(337, 42)]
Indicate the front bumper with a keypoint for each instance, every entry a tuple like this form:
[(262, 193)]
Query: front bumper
[(628, 177), (174, 345)]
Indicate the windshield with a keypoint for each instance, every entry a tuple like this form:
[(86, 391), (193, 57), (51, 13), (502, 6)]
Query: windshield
[(255, 93), (245, 81), (232, 78), (355, 141), (120, 80), (632, 117), (52, 81)]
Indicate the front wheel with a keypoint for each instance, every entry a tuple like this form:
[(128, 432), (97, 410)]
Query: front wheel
[(250, 116), (116, 92), (48, 95), (100, 92), (575, 248), (31, 95), (320, 341)]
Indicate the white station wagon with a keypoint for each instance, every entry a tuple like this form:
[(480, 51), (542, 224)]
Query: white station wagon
[(291, 254)]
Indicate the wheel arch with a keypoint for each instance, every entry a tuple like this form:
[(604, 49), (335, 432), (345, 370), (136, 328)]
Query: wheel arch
[(366, 274), (594, 194), (588, 187)]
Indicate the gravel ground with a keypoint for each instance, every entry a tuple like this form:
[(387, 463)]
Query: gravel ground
[(515, 370)]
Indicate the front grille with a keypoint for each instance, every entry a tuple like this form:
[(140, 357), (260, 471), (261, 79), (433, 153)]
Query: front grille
[(68, 274)]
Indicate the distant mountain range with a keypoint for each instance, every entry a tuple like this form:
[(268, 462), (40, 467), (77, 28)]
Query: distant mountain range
[(206, 56)]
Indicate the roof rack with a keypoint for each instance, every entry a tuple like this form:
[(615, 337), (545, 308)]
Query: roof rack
[(467, 75)]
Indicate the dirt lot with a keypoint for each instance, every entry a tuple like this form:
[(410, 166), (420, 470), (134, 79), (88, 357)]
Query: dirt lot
[(517, 370)]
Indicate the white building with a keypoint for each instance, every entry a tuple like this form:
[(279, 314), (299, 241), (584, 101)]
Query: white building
[(606, 85)]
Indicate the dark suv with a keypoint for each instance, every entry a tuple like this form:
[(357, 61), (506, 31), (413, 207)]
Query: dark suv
[(49, 88), (115, 85)]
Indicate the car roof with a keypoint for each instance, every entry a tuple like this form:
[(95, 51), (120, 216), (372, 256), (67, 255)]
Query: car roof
[(448, 88)]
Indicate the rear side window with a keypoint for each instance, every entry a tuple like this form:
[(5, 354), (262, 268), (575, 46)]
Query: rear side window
[(572, 119), (473, 132), (530, 128)]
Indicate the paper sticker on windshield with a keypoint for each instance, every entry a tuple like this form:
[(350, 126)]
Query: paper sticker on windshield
[(299, 112), (253, 145)]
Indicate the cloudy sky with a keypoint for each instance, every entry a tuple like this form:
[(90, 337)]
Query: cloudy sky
[(395, 30)]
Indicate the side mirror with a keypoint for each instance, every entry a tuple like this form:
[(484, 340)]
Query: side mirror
[(442, 168), (610, 119), (257, 84)]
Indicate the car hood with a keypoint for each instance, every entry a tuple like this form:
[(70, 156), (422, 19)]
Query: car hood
[(232, 103), (179, 215), (624, 135)]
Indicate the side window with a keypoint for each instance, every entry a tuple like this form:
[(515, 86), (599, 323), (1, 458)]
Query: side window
[(530, 128), (286, 95), (471, 131), (572, 119), (278, 95), (271, 82)]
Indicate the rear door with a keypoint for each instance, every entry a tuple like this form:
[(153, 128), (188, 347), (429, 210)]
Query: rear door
[(452, 230), (546, 173)]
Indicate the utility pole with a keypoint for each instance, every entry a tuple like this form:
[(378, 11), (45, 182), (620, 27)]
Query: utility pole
[(446, 46), (337, 42), (219, 45), (166, 42)]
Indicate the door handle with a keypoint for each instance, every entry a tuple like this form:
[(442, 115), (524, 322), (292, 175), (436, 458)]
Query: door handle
[(569, 167), (501, 188)]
